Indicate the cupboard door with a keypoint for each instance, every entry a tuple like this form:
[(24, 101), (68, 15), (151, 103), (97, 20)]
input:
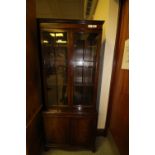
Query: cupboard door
[(83, 131), (56, 130), (55, 56)]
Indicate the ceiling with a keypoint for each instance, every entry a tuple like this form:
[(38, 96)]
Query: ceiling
[(65, 9)]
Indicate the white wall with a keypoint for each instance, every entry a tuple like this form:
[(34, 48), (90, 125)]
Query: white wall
[(106, 10), (60, 9)]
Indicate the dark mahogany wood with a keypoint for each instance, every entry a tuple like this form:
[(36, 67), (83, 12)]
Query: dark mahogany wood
[(33, 86), (82, 129), (70, 130), (56, 129), (71, 125), (49, 23), (118, 111), (69, 21)]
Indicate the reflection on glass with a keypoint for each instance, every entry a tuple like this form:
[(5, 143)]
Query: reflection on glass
[(54, 47), (84, 56), (88, 63), (78, 55), (56, 34), (59, 41), (88, 75), (62, 89), (85, 45), (60, 56), (79, 44), (78, 75), (78, 95), (89, 54)]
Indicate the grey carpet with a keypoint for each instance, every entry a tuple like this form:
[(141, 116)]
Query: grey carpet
[(104, 146)]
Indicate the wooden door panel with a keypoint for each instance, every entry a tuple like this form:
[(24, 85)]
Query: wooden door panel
[(119, 94), (82, 131), (56, 130)]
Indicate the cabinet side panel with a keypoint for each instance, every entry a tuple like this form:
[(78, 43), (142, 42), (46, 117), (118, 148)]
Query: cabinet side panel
[(34, 136), (33, 84)]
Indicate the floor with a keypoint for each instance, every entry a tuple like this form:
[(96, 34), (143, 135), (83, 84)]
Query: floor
[(104, 146)]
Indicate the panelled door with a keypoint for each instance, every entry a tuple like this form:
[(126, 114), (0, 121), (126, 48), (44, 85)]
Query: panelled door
[(82, 131), (57, 129)]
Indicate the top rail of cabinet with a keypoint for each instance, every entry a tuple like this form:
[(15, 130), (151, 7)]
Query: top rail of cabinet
[(67, 23)]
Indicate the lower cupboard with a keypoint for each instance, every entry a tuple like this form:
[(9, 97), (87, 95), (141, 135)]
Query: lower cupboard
[(70, 130)]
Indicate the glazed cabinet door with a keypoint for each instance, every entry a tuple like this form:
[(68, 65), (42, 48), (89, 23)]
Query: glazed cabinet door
[(56, 130), (83, 130), (84, 60), (54, 49)]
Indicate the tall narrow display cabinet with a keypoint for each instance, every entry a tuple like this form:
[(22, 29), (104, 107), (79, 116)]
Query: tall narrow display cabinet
[(70, 68)]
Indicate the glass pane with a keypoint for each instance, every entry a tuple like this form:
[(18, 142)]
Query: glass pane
[(91, 46), (52, 95), (90, 53), (54, 49), (78, 54), (84, 56), (51, 78), (85, 45), (60, 38), (92, 39), (88, 91), (48, 57), (62, 85), (78, 95), (60, 56), (88, 75), (51, 86), (78, 75), (79, 44), (88, 63), (83, 95)]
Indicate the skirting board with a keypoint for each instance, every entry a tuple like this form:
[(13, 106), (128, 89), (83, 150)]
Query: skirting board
[(101, 132)]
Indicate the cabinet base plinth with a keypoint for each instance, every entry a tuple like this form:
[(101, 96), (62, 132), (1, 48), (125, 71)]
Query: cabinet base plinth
[(69, 147)]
